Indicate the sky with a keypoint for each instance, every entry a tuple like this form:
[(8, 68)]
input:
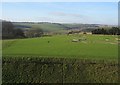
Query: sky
[(61, 12), (60, 0)]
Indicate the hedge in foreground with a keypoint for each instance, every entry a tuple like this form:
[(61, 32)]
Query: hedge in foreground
[(58, 70)]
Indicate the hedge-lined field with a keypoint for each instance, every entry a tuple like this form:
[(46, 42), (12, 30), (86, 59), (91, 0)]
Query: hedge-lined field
[(93, 59), (89, 46), (58, 70)]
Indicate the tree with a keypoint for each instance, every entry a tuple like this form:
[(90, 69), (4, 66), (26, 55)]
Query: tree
[(9, 32), (112, 31), (34, 32), (7, 29), (19, 33)]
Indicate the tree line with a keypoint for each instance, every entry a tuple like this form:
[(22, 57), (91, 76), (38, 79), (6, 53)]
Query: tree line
[(10, 32), (111, 31)]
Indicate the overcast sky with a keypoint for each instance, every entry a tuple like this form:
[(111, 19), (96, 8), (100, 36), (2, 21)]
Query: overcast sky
[(62, 12)]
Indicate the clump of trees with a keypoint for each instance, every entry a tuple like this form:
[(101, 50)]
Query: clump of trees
[(34, 32), (112, 31), (8, 31)]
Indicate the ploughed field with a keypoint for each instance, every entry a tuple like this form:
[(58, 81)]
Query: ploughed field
[(67, 46)]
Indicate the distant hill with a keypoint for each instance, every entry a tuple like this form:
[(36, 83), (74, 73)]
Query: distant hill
[(55, 27), (46, 27)]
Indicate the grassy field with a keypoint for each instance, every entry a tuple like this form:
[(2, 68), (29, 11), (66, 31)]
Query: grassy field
[(57, 59), (46, 27), (54, 27), (94, 47)]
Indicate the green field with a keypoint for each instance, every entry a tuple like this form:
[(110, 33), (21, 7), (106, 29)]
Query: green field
[(94, 47), (56, 59), (54, 27), (46, 27)]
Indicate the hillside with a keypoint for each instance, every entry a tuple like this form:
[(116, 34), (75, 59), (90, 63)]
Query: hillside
[(54, 27)]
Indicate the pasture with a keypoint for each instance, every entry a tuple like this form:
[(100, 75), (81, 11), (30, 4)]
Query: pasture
[(58, 46), (61, 59), (46, 27)]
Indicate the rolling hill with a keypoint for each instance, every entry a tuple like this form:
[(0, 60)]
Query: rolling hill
[(55, 27)]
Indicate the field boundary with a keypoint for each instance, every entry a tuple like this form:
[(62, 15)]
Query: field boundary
[(60, 70)]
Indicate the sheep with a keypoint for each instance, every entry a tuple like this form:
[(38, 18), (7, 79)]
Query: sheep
[(75, 40)]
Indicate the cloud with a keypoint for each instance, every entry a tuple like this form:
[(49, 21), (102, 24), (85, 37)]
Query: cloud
[(71, 17), (63, 14)]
